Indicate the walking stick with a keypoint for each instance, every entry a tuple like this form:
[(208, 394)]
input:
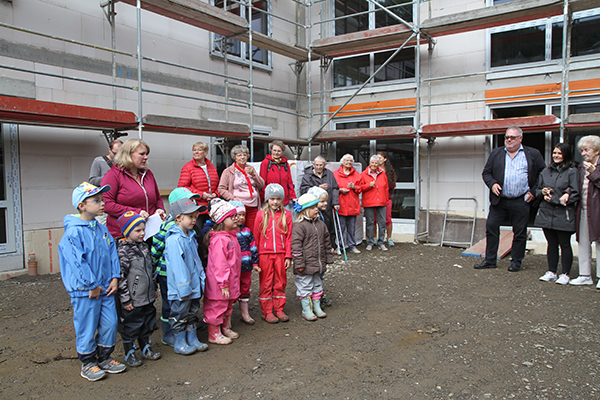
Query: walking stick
[(341, 234), (337, 237)]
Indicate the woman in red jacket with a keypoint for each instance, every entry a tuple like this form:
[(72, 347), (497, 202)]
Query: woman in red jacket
[(275, 169), (201, 177), (348, 180), (374, 186), (132, 186)]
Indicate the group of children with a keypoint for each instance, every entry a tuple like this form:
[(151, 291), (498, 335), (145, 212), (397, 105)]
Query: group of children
[(95, 268)]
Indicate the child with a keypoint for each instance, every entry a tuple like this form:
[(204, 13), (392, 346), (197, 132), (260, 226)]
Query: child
[(249, 260), (311, 249), (323, 196), (137, 290), (223, 272), (90, 271), (274, 242), (158, 257), (185, 276)]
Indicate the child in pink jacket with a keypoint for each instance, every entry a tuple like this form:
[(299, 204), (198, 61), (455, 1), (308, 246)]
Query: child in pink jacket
[(222, 272), (273, 229)]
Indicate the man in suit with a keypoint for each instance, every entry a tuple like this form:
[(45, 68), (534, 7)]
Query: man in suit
[(511, 173)]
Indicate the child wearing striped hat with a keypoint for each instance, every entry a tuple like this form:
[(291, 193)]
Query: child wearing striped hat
[(137, 289)]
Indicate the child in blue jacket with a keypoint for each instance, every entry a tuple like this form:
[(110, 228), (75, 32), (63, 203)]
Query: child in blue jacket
[(90, 271)]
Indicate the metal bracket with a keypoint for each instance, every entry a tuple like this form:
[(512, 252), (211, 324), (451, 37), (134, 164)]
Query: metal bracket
[(113, 134), (297, 67), (326, 62)]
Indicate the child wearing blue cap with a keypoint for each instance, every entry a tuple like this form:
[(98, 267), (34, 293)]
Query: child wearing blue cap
[(137, 289), (90, 271)]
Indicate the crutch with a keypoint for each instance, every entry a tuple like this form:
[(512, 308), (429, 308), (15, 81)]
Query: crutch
[(337, 237), (341, 233)]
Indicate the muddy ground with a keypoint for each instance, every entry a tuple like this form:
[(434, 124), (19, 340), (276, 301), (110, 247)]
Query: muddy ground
[(414, 322)]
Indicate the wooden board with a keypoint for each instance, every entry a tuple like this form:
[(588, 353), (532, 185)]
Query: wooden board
[(504, 247)]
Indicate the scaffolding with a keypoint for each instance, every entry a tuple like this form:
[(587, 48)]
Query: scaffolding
[(323, 50)]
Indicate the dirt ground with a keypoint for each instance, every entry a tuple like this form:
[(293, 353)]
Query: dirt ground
[(414, 322)]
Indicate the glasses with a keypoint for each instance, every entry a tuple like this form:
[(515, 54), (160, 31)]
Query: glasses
[(511, 137), (96, 201)]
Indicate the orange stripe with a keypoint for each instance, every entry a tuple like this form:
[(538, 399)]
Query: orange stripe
[(373, 106), (552, 90)]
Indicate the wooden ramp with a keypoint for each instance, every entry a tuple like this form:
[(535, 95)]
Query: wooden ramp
[(504, 247)]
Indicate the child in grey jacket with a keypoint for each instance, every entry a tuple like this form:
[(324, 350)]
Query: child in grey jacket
[(137, 289)]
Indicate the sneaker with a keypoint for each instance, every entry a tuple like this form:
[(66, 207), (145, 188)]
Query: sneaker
[(563, 279), (598, 285), (132, 360), (382, 247), (112, 366), (355, 250), (150, 354), (369, 247), (92, 372), (549, 276), (390, 242), (326, 302), (582, 280)]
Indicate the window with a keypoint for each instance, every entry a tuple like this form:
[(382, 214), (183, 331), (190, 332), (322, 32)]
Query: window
[(353, 71), (239, 51), (541, 40), (364, 21)]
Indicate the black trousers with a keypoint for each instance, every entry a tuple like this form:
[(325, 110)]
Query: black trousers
[(138, 323), (517, 210), (555, 239), (183, 312)]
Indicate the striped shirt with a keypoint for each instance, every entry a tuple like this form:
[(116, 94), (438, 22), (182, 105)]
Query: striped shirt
[(515, 174)]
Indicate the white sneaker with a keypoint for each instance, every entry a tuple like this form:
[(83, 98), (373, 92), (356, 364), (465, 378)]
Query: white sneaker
[(549, 276), (563, 279), (355, 250), (382, 247), (369, 247), (598, 285), (582, 280)]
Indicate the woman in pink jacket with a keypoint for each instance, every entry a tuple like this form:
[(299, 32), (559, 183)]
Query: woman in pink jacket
[(223, 272), (132, 186), (375, 197)]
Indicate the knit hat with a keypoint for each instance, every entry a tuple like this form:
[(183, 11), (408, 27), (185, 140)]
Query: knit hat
[(182, 193), (184, 206), (305, 201), (274, 190), (239, 206), (220, 209), (317, 191), (128, 221), (85, 190)]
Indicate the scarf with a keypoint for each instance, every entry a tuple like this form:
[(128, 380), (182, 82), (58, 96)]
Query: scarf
[(247, 178)]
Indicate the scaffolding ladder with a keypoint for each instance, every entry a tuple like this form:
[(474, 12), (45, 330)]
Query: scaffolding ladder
[(473, 199)]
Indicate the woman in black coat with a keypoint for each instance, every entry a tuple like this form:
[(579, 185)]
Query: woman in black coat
[(558, 188)]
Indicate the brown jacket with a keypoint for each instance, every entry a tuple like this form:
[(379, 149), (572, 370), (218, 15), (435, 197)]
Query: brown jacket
[(311, 247), (593, 203)]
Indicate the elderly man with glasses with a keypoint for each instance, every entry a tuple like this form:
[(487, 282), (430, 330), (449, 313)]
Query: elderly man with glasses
[(511, 173)]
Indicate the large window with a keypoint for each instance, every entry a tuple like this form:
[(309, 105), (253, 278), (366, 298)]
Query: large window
[(541, 40), (360, 20), (353, 71), (239, 51)]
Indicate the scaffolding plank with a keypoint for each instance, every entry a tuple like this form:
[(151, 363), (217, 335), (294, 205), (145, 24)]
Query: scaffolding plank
[(397, 132), (286, 141), (390, 37), (215, 19), (583, 121), (196, 127), (37, 112), (492, 127)]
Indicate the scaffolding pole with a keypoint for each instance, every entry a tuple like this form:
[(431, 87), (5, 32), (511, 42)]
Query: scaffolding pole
[(251, 78), (139, 63), (566, 56)]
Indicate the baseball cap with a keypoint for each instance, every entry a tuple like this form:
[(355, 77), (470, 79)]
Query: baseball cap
[(182, 193), (85, 190), (184, 206)]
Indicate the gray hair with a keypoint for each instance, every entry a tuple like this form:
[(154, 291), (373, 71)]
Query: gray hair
[(375, 157), (515, 128), (592, 141), (346, 156), (239, 148), (320, 158)]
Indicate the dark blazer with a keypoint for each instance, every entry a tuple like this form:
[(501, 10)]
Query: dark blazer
[(593, 202), (493, 172)]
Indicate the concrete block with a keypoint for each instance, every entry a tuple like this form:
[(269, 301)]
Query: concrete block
[(44, 244), (17, 87)]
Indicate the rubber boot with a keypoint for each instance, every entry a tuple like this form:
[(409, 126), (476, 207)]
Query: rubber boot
[(181, 346), (316, 305), (192, 338), (246, 318), (306, 309), (167, 333), (267, 311), (215, 336), (226, 328), (147, 351), (131, 360)]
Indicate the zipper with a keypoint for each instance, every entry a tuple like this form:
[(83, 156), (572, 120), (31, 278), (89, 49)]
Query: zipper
[(143, 188), (319, 248)]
